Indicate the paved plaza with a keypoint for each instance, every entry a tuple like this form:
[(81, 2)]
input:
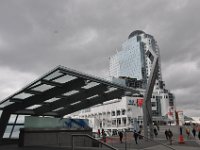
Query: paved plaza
[(129, 143)]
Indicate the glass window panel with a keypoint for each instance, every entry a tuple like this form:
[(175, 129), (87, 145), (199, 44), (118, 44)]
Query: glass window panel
[(75, 103), (16, 131), (53, 75), (12, 119), (7, 131), (71, 92), (52, 100), (93, 96), (111, 89), (21, 118), (90, 85), (65, 79), (57, 109), (23, 95), (43, 88), (33, 107), (36, 84), (6, 104)]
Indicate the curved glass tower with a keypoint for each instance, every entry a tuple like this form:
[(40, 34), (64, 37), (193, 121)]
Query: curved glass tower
[(131, 60)]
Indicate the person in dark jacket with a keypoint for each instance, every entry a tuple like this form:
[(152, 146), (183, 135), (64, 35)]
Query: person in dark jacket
[(120, 136), (170, 134), (135, 134), (194, 132), (155, 131), (166, 135)]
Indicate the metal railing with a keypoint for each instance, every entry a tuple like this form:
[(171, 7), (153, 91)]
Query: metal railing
[(99, 142)]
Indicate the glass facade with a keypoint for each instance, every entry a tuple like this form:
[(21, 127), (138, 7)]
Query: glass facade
[(129, 61)]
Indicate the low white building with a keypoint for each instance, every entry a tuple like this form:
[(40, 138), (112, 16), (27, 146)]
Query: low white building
[(118, 114)]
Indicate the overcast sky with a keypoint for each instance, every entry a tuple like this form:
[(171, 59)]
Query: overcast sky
[(38, 35)]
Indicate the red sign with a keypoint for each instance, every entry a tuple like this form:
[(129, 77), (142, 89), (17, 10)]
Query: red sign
[(170, 113), (140, 102)]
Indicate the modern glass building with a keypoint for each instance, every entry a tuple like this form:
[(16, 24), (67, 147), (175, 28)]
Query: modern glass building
[(131, 60), (132, 67)]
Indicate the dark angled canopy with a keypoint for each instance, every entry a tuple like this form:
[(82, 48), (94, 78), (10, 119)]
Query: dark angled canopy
[(62, 91)]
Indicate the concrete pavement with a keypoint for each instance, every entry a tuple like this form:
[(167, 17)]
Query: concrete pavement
[(129, 143)]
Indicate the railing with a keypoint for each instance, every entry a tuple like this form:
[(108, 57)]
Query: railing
[(99, 142)]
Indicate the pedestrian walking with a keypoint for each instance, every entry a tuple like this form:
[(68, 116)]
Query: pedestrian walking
[(166, 134), (187, 130), (99, 133), (155, 131), (194, 132), (139, 135), (135, 134), (170, 134), (104, 137), (198, 129), (102, 132), (120, 136)]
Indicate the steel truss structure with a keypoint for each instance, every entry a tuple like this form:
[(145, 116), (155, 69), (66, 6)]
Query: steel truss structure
[(59, 92)]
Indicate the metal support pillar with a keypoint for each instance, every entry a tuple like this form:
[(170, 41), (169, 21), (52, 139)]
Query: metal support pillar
[(5, 116), (147, 108)]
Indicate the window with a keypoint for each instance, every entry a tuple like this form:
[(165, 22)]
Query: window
[(118, 112), (123, 112), (113, 113), (124, 120), (113, 122), (153, 104), (119, 121)]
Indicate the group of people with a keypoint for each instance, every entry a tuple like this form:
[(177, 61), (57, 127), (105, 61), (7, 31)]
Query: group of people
[(136, 135), (169, 135), (195, 132), (102, 132)]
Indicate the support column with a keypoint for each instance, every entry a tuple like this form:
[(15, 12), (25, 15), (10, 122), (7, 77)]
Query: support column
[(147, 108), (5, 116)]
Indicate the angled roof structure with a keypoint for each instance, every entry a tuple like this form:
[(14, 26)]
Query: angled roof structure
[(60, 92)]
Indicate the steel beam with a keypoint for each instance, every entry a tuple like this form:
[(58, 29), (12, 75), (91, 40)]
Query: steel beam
[(147, 108), (5, 116), (85, 103), (48, 94), (70, 99)]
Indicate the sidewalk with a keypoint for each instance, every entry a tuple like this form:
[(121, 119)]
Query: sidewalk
[(156, 144)]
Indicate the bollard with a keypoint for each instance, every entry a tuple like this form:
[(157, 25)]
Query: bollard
[(181, 139)]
